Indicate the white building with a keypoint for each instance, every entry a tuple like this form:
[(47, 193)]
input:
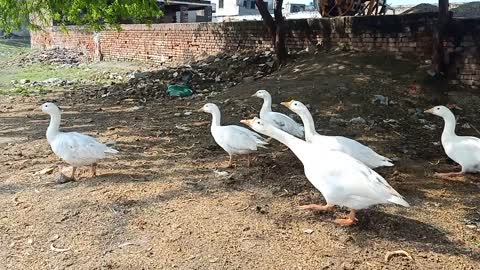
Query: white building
[(226, 8)]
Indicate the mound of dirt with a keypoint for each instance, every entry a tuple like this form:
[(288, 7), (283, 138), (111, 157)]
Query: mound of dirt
[(421, 8), (468, 10), (213, 74), (55, 56)]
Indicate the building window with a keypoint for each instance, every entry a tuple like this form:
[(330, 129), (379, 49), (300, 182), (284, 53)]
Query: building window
[(245, 4), (252, 5), (220, 3)]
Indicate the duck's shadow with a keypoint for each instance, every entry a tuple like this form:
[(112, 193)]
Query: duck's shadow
[(397, 228)]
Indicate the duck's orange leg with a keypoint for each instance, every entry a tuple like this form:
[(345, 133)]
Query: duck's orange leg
[(94, 169), (230, 162), (317, 207), (349, 221)]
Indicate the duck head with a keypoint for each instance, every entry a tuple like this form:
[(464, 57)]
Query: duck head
[(441, 111), (295, 106), (261, 94), (256, 124), (50, 108), (208, 108)]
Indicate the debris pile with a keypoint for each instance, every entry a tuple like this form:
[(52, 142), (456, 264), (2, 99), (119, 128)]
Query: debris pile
[(213, 74), (56, 56)]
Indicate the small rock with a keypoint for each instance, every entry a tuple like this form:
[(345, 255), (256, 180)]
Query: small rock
[(337, 121), (248, 79), (24, 81), (466, 125), (358, 121), (380, 99), (177, 114), (135, 108), (308, 231), (187, 113)]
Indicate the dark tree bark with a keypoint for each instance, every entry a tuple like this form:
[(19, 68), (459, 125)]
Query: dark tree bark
[(277, 28), (438, 58)]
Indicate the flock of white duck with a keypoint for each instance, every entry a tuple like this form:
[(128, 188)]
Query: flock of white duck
[(339, 167)]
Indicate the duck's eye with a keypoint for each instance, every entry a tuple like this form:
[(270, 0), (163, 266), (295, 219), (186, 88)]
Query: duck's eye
[(438, 109), (258, 122)]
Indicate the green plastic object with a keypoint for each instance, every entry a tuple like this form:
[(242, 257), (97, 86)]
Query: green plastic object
[(176, 90)]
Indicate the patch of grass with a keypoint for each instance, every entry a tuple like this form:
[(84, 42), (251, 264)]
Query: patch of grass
[(12, 48), (41, 72), (24, 91)]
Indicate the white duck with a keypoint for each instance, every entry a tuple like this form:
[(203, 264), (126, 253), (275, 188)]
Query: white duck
[(342, 180), (340, 143), (464, 150), (233, 139), (279, 120), (74, 148)]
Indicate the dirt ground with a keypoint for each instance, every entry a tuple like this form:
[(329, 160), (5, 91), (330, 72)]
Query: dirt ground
[(166, 203)]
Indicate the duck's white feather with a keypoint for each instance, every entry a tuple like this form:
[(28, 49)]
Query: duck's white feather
[(353, 148), (283, 122), (279, 120), (341, 179), (465, 150), (74, 148), (235, 140), (346, 145), (78, 149)]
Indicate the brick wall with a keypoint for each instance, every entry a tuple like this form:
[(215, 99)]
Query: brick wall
[(163, 43)]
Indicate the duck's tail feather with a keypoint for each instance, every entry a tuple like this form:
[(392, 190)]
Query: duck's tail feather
[(111, 151), (387, 163), (398, 200)]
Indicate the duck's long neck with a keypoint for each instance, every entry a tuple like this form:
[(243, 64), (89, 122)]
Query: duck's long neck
[(266, 107), (216, 117), (54, 126), (449, 128), (308, 124), (295, 144)]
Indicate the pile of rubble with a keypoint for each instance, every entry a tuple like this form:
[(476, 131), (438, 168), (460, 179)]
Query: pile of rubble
[(56, 56), (213, 74)]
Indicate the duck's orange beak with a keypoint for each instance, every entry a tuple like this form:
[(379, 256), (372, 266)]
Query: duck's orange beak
[(287, 103), (200, 110), (429, 111), (247, 122)]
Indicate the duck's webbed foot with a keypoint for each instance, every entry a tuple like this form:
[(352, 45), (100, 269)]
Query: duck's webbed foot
[(450, 174), (230, 163), (349, 221), (62, 179)]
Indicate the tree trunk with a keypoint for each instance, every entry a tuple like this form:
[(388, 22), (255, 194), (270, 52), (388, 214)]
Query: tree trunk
[(276, 28), (438, 57), (280, 46)]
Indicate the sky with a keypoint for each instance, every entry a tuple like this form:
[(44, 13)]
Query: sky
[(412, 2), (393, 2)]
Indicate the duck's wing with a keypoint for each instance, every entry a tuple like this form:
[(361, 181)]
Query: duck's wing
[(260, 141), (468, 146), (239, 138), (347, 181), (73, 145), (362, 152), (285, 123), (365, 182)]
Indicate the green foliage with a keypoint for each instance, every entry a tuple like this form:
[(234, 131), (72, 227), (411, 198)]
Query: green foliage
[(95, 14)]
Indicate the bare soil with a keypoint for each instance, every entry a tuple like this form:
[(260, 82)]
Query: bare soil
[(164, 203)]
